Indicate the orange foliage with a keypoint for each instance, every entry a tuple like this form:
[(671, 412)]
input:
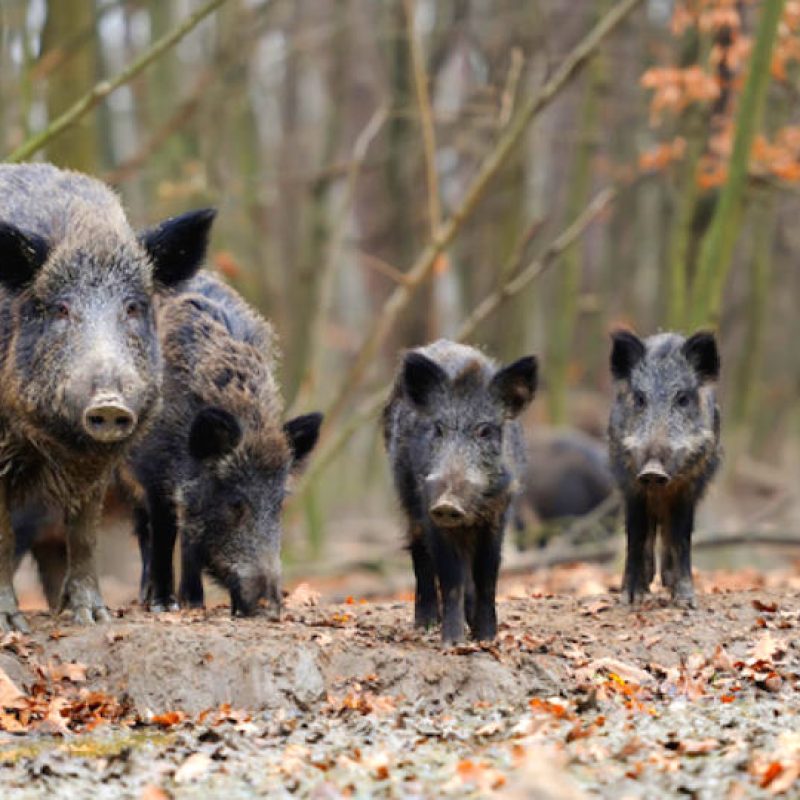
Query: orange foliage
[(675, 89)]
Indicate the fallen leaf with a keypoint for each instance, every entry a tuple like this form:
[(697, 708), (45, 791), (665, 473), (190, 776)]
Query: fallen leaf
[(627, 672), (695, 747), (153, 792), (303, 595), (75, 672), (193, 768), (9, 693), (760, 605), (168, 719), (767, 648)]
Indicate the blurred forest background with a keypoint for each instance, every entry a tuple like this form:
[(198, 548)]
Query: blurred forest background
[(382, 167)]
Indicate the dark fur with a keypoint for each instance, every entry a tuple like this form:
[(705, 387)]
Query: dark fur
[(568, 476), (450, 431), (664, 411), (76, 318), (216, 463)]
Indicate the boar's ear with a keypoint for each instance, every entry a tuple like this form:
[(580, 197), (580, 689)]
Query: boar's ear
[(215, 432), (21, 256), (627, 350), (515, 384), (302, 433), (421, 378), (178, 245), (701, 352)]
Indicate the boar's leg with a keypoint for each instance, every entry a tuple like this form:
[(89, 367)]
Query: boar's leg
[(50, 555), (485, 567), (650, 553), (450, 569), (81, 591), (163, 532), (10, 617), (141, 524), (191, 588), (638, 529), (678, 541), (426, 602)]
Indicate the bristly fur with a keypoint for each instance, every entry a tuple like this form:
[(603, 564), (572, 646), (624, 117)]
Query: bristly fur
[(68, 246), (665, 413), (450, 432), (225, 499)]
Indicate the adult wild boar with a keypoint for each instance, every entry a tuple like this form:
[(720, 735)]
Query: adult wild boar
[(80, 364), (664, 448), (215, 465), (457, 454)]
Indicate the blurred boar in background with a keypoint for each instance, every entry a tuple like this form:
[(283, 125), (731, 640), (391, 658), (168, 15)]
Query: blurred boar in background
[(216, 463), (567, 476), (79, 355), (664, 448), (457, 455)]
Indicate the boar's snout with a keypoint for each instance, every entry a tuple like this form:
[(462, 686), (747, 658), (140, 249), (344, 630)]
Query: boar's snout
[(653, 474), (108, 418), (448, 512)]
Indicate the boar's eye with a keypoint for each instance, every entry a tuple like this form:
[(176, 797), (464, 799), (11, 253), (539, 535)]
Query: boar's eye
[(438, 430), (60, 310), (134, 309), (237, 508), (639, 400), (486, 431), (683, 398)]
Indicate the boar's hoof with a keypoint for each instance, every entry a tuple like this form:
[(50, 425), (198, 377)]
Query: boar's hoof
[(10, 617), (82, 598), (13, 622), (164, 605), (683, 595)]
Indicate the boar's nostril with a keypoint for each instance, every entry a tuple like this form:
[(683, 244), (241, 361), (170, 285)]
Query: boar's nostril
[(108, 419), (447, 513), (653, 474)]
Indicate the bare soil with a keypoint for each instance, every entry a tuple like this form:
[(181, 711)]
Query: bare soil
[(579, 697)]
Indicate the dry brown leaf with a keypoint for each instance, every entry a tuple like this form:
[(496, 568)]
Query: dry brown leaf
[(768, 648), (697, 747), (168, 719), (628, 672), (153, 792), (9, 693), (303, 596), (75, 672), (721, 660), (194, 767)]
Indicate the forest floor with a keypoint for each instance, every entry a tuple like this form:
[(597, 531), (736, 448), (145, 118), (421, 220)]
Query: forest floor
[(578, 697)]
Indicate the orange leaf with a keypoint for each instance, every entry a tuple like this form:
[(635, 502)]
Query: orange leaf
[(168, 719), (770, 773)]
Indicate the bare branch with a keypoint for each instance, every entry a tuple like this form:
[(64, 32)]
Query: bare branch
[(101, 90), (446, 232)]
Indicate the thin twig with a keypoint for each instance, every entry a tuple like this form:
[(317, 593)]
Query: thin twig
[(425, 118), (333, 258), (387, 317), (516, 284), (105, 88)]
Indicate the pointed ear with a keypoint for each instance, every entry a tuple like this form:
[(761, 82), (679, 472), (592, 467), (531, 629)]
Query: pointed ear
[(627, 350), (178, 245), (422, 378), (215, 432), (302, 433), (22, 255), (701, 352), (515, 384)]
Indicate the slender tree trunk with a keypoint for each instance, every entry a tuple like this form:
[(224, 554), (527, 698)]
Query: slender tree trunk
[(565, 310), (76, 148), (717, 248)]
